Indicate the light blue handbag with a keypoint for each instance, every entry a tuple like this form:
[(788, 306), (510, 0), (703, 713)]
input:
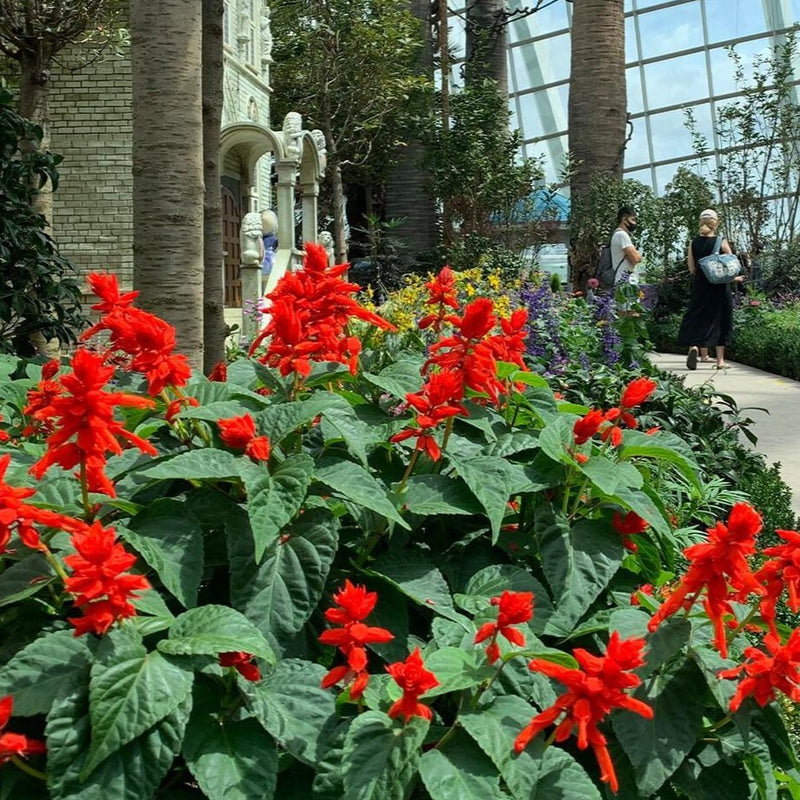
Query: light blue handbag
[(720, 267)]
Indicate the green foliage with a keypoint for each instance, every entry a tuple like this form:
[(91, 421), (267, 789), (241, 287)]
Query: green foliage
[(40, 293)]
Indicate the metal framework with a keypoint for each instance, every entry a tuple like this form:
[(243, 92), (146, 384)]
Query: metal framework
[(538, 98)]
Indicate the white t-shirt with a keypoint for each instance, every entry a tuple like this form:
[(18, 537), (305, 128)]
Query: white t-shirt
[(619, 241)]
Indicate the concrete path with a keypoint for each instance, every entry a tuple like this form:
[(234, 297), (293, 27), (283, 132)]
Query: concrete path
[(778, 431)]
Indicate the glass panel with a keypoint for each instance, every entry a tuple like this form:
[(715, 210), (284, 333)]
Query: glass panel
[(676, 80), (634, 85), (541, 62), (664, 175), (631, 51), (637, 152), (544, 112), (671, 139), (644, 176), (723, 67), (547, 19), (553, 152), (730, 19), (670, 30)]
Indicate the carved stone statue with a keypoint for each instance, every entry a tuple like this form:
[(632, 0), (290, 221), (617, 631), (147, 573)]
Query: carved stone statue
[(292, 135), (319, 140), (266, 37), (325, 238), (250, 238)]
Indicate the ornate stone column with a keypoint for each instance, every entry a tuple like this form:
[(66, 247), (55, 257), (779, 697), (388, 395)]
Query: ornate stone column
[(310, 199)]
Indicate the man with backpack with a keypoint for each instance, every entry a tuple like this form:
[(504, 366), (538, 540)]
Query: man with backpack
[(619, 256)]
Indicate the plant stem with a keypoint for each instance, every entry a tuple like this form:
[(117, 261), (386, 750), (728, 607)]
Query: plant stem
[(55, 564), (87, 506), (18, 762), (735, 632), (447, 431), (407, 473)]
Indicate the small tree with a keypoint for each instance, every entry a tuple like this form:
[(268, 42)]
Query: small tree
[(348, 66), (39, 295), (757, 176), (475, 169)]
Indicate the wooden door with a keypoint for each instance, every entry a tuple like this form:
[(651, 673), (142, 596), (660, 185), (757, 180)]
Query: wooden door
[(231, 246)]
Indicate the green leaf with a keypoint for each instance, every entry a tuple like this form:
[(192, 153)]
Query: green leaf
[(657, 747), (662, 645), (210, 630), (354, 483), (280, 594), (637, 443), (230, 760), (223, 409), (205, 464), (48, 667), (273, 499), (170, 540), (291, 706), (414, 574), (608, 475), (536, 773), (429, 495), (24, 579), (130, 691), (342, 423), (557, 437), (509, 444), (579, 563), (460, 772), (279, 421), (133, 772), (399, 379), (381, 756), (457, 669), (637, 500), (488, 478)]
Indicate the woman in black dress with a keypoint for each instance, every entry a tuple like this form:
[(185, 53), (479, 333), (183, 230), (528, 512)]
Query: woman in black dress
[(708, 321)]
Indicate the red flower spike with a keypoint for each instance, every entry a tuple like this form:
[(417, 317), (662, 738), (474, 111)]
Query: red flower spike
[(637, 392), (441, 292), (781, 571), (102, 587), (242, 663), (412, 677), (105, 286), (355, 604), (83, 424), (719, 568), (239, 433), (767, 673), (594, 690), (219, 373), (588, 426), (15, 744), (514, 608), (628, 526)]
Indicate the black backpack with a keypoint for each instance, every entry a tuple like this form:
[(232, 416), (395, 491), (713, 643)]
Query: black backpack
[(606, 272)]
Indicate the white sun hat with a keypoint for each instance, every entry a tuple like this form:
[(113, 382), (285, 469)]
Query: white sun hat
[(709, 213)]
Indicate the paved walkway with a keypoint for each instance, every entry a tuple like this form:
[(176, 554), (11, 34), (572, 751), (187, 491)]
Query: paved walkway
[(778, 431)]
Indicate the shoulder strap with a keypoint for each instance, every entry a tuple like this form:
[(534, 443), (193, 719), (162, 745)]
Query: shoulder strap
[(717, 246)]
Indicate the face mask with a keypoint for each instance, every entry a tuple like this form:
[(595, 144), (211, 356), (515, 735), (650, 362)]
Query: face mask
[(632, 227)]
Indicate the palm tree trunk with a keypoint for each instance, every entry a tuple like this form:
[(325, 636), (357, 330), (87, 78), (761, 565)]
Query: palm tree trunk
[(166, 44), (597, 109), (213, 290), (487, 42)]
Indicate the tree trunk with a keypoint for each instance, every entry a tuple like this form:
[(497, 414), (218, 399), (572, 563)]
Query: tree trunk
[(339, 211), (166, 44), (405, 191), (597, 109), (213, 289), (598, 112), (487, 42), (34, 89)]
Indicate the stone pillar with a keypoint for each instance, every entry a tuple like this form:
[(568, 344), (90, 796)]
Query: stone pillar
[(284, 192), (310, 198), (251, 295)]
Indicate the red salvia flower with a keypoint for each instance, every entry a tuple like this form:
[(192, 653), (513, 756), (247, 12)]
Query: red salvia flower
[(105, 286), (84, 428), (588, 426), (766, 673), (509, 345), (782, 571), (412, 677), (595, 689), (442, 293), (646, 589), (219, 373), (242, 663), (175, 407), (102, 587), (719, 568), (637, 392), (628, 526), (355, 604), (239, 433), (15, 744), (308, 316), (514, 608)]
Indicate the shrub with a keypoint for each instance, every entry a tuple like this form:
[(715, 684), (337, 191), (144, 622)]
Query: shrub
[(312, 579)]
